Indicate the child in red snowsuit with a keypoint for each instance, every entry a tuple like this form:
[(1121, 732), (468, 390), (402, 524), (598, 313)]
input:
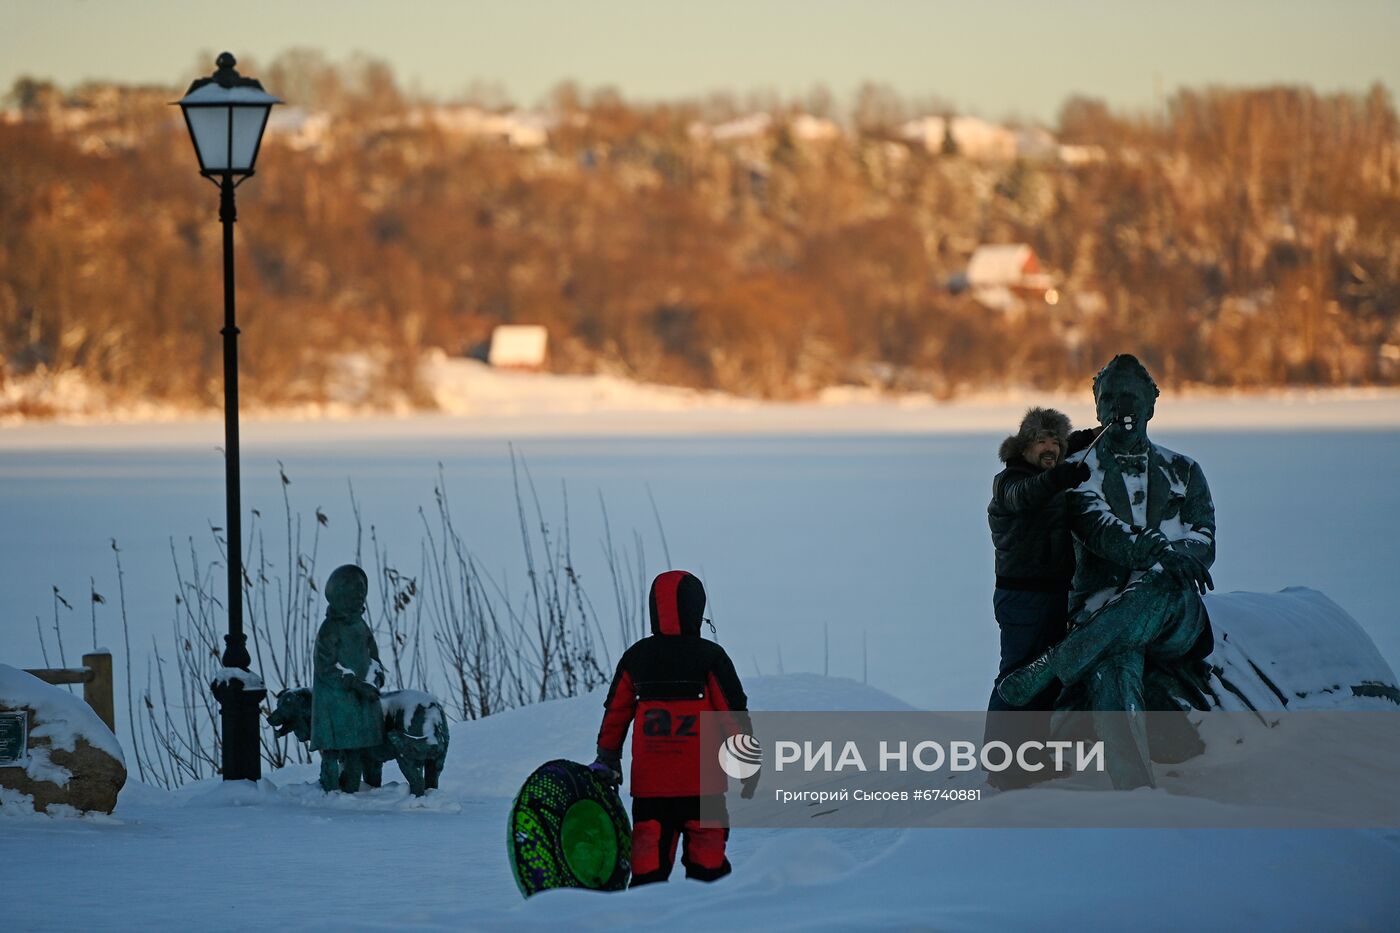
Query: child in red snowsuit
[(663, 683)]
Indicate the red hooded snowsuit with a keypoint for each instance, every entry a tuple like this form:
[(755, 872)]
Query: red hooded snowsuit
[(663, 683)]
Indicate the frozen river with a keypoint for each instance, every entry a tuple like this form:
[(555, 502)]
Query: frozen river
[(879, 540)]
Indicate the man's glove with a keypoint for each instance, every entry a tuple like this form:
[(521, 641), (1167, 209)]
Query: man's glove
[(1189, 572), (1068, 475), (749, 784), (1078, 440), (608, 767), (365, 689)]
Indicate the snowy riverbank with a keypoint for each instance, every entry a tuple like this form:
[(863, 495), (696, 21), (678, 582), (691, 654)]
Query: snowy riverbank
[(476, 400)]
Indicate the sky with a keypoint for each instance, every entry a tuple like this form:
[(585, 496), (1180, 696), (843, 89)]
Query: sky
[(997, 58)]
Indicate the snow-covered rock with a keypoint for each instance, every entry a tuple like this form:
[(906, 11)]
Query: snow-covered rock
[(73, 759)]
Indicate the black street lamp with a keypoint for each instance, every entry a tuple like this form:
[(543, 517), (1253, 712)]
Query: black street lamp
[(226, 115)]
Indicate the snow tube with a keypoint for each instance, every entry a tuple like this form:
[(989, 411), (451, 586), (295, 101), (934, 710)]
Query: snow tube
[(568, 829)]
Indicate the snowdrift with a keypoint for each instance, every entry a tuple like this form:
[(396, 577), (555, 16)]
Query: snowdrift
[(1295, 649), (439, 863), (523, 739)]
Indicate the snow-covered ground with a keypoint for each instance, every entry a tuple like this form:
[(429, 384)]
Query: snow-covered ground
[(284, 855)]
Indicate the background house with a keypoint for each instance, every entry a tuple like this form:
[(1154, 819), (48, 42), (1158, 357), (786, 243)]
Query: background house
[(1006, 277)]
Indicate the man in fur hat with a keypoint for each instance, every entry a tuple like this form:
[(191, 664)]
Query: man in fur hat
[(1034, 555)]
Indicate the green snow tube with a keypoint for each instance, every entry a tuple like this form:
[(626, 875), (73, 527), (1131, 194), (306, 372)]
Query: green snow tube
[(568, 829)]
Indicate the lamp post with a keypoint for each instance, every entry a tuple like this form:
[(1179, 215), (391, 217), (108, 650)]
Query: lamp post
[(226, 115)]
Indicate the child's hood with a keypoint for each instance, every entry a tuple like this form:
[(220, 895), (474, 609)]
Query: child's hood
[(677, 603)]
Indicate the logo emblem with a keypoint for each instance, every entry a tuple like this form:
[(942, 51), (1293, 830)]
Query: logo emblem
[(741, 756)]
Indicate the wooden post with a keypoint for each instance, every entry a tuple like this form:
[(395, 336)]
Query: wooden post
[(98, 691), (96, 677), (61, 675)]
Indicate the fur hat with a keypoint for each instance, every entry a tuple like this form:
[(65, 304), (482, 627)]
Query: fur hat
[(1037, 420)]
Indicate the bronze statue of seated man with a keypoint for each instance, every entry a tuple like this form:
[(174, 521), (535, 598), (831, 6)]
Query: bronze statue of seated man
[(1144, 530)]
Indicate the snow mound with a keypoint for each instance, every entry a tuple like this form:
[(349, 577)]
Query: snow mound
[(1295, 649), (520, 740), (813, 692)]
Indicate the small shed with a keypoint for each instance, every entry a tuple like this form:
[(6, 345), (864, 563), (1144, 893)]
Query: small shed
[(518, 346)]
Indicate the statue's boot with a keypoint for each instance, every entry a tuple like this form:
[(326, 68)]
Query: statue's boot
[(330, 770), (1171, 737), (1025, 683), (351, 769), (1116, 696)]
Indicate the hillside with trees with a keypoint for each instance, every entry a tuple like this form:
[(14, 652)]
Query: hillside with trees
[(1239, 238)]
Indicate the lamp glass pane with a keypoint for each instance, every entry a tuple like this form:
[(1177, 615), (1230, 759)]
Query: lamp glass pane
[(210, 128), (247, 130)]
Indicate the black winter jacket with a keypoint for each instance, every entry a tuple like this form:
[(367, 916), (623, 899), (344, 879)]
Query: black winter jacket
[(1030, 529)]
